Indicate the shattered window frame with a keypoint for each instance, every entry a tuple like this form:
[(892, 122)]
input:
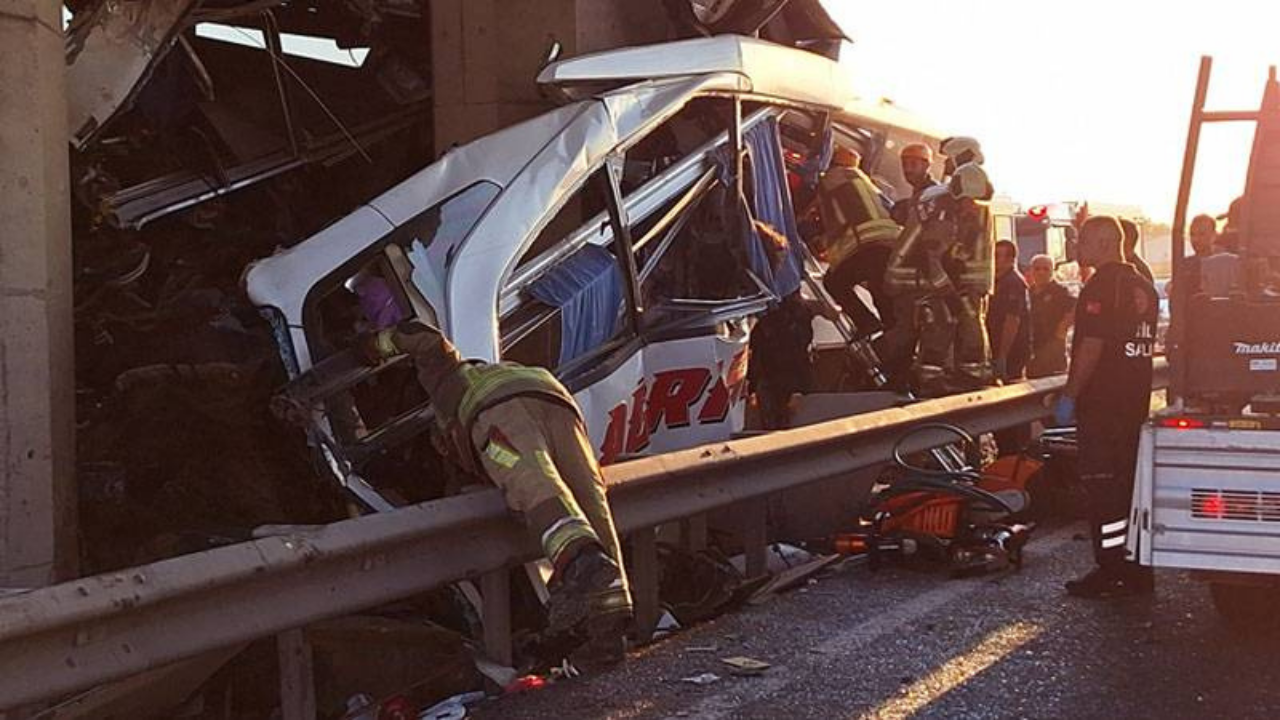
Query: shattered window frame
[(403, 236), (529, 315), (685, 183)]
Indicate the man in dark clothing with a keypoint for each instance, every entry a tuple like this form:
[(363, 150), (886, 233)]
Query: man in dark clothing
[(1109, 391), (1052, 312), (1204, 234), (1009, 317), (780, 365), (1131, 237)]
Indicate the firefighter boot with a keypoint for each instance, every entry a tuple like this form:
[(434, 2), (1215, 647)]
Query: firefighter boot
[(581, 593)]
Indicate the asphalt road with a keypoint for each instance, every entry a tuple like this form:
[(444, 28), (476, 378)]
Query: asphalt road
[(902, 643)]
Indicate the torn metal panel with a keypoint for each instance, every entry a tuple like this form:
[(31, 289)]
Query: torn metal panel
[(283, 280), (763, 68), (135, 207), (111, 51)]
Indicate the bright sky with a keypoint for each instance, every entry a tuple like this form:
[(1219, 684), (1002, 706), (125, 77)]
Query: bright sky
[(1074, 99)]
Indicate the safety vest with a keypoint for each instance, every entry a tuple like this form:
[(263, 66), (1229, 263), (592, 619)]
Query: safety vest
[(966, 251), (475, 387), (852, 214), (978, 240)]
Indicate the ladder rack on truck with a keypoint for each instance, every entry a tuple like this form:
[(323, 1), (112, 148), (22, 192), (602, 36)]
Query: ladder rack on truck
[(1207, 492)]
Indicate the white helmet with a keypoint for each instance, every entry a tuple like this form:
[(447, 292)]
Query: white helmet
[(970, 181), (962, 150)]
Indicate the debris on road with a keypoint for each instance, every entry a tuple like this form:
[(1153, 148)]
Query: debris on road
[(779, 558), (667, 625), (702, 648), (745, 666), (454, 708), (793, 577), (705, 678)]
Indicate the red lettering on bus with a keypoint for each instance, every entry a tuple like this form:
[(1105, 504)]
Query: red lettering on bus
[(673, 395)]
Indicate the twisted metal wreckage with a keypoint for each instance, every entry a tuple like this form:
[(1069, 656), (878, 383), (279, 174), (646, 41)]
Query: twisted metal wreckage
[(608, 238)]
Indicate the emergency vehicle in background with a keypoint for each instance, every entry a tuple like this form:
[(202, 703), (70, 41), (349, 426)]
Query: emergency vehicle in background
[(1050, 229), (610, 240), (1207, 491)]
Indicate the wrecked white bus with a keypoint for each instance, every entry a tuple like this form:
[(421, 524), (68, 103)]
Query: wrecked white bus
[(609, 239)]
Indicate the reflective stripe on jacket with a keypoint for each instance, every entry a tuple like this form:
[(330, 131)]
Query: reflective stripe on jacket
[(852, 213)]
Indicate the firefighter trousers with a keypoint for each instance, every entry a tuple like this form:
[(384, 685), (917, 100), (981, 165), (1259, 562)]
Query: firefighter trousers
[(537, 452), (866, 265), (897, 347), (954, 349), (1107, 444)]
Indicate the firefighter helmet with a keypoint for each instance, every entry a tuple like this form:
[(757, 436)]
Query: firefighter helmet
[(970, 181), (962, 150), (845, 157)]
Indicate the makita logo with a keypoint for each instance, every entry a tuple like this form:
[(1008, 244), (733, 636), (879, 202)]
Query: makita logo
[(1266, 348)]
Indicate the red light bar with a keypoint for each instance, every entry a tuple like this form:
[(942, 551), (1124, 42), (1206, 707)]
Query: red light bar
[(1183, 423)]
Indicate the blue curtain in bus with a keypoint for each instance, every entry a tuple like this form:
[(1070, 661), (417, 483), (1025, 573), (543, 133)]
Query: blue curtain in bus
[(757, 257), (587, 288), (772, 203)]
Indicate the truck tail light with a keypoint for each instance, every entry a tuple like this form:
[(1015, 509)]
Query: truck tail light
[(1227, 504), (1209, 506), (1182, 423)]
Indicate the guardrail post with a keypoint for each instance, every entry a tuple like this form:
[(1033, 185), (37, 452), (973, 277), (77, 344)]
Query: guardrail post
[(755, 537), (644, 582), (495, 588), (693, 533), (297, 681)]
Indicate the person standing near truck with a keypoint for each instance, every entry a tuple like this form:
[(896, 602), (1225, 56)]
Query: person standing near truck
[(1204, 235), (1131, 237), (1052, 312), (1009, 317), (1108, 393)]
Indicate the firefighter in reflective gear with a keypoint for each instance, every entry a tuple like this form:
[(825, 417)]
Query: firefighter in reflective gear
[(916, 159), (897, 348), (521, 428), (858, 238), (944, 268)]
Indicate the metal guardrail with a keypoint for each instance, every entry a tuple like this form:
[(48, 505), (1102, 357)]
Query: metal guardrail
[(72, 636)]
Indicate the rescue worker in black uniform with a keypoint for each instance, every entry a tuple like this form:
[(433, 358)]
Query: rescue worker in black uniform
[(1108, 393)]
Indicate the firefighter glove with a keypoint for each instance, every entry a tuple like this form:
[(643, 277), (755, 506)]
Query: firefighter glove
[(375, 347)]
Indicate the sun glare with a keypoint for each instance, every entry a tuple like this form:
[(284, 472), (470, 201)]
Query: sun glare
[(1079, 100)]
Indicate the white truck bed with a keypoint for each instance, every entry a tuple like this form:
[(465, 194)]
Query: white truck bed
[(1207, 498)]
